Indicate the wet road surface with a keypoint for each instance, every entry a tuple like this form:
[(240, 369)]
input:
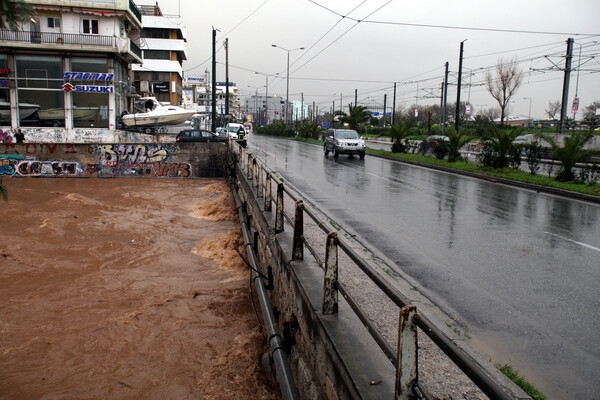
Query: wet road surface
[(125, 289), (519, 270)]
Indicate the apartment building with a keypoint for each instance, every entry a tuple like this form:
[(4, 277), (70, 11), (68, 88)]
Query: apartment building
[(162, 42), (69, 67)]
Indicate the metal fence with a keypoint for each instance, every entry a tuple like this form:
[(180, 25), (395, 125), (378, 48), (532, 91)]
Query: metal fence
[(405, 356), (56, 38)]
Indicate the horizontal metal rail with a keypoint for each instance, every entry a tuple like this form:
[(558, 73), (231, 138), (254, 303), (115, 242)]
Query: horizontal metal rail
[(461, 358), (36, 37)]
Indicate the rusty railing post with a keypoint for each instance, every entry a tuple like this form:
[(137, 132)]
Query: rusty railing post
[(330, 293), (407, 368), (254, 173), (298, 245), (249, 166), (259, 181), (268, 192), (279, 211)]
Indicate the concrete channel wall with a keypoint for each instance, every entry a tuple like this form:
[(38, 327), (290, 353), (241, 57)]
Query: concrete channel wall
[(331, 356), (105, 160)]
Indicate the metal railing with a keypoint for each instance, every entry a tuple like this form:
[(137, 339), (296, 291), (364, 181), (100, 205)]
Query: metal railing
[(405, 355), (135, 10), (56, 38)]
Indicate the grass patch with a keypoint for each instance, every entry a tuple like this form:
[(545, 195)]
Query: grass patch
[(514, 376), (506, 173)]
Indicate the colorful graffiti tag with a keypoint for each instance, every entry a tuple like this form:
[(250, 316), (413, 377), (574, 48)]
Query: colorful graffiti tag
[(111, 160)]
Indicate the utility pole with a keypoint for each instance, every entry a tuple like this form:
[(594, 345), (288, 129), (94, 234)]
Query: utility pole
[(355, 97), (226, 77), (460, 60), (445, 99), (301, 107), (341, 104), (565, 96), (314, 113), (442, 104), (394, 106), (384, 107), (213, 114)]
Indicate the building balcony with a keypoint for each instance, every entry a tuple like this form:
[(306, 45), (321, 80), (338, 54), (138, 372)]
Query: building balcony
[(72, 42)]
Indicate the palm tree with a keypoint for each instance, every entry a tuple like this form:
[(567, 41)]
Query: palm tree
[(356, 116), (498, 146), (571, 152), (399, 132), (456, 140), (14, 11)]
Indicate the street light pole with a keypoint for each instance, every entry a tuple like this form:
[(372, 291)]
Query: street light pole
[(266, 96), (287, 90), (529, 116)]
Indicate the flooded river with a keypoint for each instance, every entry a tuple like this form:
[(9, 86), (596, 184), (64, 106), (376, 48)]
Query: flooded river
[(125, 289)]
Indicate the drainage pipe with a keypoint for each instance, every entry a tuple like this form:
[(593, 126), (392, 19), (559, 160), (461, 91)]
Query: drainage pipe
[(284, 373)]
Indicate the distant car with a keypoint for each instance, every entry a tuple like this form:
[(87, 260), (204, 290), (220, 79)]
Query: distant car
[(344, 141), (199, 135)]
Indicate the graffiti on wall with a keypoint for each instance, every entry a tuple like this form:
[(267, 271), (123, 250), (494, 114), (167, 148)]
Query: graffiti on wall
[(99, 160), (11, 166)]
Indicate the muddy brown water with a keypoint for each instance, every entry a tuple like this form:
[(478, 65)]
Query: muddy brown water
[(125, 289)]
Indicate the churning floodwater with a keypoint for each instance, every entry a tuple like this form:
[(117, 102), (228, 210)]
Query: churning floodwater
[(125, 289)]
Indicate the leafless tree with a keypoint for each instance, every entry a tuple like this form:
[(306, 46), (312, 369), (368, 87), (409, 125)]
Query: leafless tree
[(504, 85), (553, 108), (490, 113)]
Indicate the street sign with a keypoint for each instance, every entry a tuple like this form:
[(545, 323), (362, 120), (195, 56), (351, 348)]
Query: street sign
[(575, 107), (416, 112), (468, 109), (325, 124), (375, 114)]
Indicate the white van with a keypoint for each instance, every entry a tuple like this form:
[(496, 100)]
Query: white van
[(233, 129)]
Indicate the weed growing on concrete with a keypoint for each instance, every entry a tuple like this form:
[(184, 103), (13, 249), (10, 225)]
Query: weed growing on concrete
[(514, 376)]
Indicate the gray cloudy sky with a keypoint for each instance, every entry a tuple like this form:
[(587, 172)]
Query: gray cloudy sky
[(392, 44)]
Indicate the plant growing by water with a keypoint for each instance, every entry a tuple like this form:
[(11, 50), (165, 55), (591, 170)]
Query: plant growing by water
[(456, 140), (499, 148)]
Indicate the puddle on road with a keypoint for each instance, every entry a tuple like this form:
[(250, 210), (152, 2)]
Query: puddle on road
[(125, 289)]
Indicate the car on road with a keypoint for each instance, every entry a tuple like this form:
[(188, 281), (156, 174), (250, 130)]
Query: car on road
[(344, 141), (199, 135), (221, 131), (233, 129)]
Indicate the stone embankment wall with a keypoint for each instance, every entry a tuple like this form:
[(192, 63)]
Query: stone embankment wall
[(172, 160)]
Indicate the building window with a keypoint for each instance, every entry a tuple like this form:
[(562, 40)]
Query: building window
[(53, 22), (156, 54), (39, 90), (155, 33), (90, 26), (90, 109)]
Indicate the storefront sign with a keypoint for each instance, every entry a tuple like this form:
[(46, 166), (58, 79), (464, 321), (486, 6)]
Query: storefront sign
[(88, 76), (4, 71), (4, 84), (160, 87), (67, 87)]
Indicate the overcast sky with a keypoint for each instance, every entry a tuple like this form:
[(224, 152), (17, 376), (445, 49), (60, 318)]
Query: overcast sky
[(407, 42)]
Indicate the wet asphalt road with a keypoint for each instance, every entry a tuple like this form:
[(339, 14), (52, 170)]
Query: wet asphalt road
[(519, 269)]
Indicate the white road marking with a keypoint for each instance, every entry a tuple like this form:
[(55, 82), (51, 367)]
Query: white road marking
[(573, 241)]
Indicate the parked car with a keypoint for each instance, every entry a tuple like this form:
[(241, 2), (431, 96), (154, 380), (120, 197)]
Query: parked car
[(199, 135), (344, 141)]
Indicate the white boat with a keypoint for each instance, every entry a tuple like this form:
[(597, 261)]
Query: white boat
[(79, 113), (25, 110), (149, 111)]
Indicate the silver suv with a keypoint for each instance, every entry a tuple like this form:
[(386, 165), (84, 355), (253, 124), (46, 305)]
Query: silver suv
[(344, 141)]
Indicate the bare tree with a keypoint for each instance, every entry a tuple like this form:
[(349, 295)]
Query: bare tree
[(490, 113), (504, 86), (553, 108)]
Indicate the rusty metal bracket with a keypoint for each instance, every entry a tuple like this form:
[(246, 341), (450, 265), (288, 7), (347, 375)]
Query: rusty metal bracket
[(298, 244), (268, 194), (407, 371), (279, 210), (330, 293)]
